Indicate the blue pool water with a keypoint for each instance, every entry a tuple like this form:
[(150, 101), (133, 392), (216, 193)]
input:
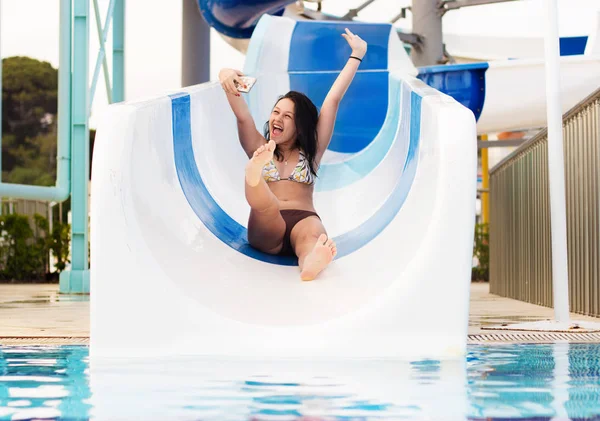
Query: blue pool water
[(497, 382)]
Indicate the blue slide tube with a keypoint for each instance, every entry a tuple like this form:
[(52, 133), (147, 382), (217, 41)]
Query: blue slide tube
[(237, 18)]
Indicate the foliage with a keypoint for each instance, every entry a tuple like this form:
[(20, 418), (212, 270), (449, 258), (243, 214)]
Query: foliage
[(34, 158), (29, 121), (29, 107), (481, 251), (24, 249), (59, 244), (29, 94)]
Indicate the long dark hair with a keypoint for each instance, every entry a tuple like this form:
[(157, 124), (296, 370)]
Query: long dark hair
[(306, 119)]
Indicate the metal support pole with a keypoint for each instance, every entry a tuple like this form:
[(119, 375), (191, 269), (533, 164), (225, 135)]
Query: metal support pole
[(195, 41), (354, 12), (427, 22), (65, 60), (485, 183), (457, 4), (118, 84), (401, 15), (556, 166), (77, 279)]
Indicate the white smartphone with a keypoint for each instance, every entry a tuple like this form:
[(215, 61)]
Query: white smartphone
[(248, 81)]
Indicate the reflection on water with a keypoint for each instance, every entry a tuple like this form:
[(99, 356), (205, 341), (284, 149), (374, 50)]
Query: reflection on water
[(44, 383), (558, 381), (277, 390), (496, 382)]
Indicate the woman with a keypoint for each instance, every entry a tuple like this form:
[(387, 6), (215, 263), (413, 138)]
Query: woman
[(283, 165)]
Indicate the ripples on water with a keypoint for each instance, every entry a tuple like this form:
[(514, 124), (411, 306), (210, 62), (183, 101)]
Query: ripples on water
[(560, 381)]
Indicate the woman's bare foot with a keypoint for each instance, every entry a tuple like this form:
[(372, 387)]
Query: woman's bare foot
[(261, 157), (318, 259)]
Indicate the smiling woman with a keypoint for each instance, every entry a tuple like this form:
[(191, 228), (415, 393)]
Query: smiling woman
[(283, 219)]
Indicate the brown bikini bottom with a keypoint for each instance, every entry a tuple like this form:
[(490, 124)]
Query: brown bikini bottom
[(291, 218)]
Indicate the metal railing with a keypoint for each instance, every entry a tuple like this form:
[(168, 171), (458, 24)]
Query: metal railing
[(520, 241)]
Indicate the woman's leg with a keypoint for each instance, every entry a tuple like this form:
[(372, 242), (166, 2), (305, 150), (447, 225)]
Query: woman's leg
[(314, 250), (266, 227)]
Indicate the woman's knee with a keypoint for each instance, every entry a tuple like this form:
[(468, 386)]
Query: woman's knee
[(307, 233), (311, 234)]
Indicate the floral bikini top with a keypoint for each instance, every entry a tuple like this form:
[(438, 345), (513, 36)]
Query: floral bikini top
[(301, 173)]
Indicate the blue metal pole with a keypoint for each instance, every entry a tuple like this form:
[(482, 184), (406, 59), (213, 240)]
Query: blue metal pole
[(118, 85), (63, 151), (77, 280)]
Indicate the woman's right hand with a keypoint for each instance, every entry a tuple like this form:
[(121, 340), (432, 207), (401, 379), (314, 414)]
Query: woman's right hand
[(228, 79)]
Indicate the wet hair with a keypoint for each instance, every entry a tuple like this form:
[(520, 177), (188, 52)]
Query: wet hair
[(306, 118)]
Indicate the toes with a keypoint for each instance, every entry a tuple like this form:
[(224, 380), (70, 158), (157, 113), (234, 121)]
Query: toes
[(322, 239), (329, 243)]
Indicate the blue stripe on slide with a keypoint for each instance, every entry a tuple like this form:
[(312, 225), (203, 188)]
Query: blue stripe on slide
[(367, 231), (235, 235), (210, 213), (337, 175)]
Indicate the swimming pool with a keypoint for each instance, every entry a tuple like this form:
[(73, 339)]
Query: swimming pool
[(529, 381)]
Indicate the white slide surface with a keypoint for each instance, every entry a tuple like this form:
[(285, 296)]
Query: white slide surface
[(172, 272)]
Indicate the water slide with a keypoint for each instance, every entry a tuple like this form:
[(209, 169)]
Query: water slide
[(504, 86), (172, 272)]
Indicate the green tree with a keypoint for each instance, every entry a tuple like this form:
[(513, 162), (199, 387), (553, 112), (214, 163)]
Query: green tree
[(29, 94), (29, 106)]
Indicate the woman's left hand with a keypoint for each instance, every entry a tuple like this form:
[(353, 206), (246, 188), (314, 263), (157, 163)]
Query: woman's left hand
[(358, 45)]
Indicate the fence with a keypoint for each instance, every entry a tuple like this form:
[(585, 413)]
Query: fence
[(520, 241)]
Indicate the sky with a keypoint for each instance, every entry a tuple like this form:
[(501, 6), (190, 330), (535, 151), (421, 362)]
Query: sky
[(153, 34)]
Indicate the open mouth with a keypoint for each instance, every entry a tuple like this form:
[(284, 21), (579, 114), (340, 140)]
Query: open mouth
[(277, 129)]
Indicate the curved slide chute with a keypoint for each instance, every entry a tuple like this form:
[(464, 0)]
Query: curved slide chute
[(396, 191)]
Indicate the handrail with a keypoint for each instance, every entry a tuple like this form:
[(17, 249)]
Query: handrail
[(520, 229)]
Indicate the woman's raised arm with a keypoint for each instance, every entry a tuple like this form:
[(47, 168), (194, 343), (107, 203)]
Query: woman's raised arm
[(338, 90), (250, 138)]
